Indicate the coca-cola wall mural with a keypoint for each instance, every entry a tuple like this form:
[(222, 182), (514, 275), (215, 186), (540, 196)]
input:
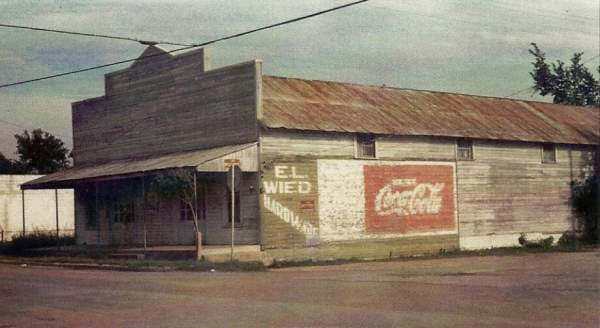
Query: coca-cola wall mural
[(409, 198)]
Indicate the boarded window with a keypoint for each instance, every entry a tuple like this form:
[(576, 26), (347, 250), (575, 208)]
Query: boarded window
[(237, 207), (548, 153), (365, 146), (464, 150)]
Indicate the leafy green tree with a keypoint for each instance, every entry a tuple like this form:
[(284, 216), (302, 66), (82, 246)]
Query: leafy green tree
[(570, 84), (179, 184), (40, 152)]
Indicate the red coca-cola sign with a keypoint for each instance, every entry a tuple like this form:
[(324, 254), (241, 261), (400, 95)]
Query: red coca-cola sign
[(409, 198)]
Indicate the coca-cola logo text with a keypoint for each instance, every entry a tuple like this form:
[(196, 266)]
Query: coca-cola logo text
[(405, 197)]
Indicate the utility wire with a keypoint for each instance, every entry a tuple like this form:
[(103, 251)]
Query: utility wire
[(196, 45), (145, 42)]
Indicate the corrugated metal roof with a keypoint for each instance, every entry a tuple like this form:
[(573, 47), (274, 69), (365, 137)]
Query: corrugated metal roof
[(342, 107), (126, 167)]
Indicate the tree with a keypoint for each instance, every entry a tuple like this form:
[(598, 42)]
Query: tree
[(9, 166), (40, 152), (574, 85), (568, 84), (179, 184)]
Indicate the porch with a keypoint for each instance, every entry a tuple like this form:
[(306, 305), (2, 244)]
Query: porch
[(116, 206)]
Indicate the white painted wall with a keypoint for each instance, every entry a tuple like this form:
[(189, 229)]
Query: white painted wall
[(40, 208)]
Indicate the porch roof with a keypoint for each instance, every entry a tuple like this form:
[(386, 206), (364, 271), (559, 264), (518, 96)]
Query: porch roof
[(205, 160)]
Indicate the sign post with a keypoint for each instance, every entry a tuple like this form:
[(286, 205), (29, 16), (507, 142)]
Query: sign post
[(232, 165)]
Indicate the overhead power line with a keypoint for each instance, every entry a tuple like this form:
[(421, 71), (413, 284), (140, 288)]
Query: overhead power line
[(196, 45), (145, 42)]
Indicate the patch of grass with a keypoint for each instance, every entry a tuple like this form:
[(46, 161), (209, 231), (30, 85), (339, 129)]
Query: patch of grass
[(136, 265), (500, 251)]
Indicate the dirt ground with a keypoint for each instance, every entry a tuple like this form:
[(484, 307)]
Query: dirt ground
[(535, 290)]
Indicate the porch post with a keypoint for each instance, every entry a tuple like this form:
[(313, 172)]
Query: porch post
[(23, 208), (97, 213), (232, 209), (198, 235), (144, 207), (56, 212)]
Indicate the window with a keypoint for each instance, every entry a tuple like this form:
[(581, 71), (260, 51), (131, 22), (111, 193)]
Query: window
[(365, 146), (464, 150), (185, 212), (123, 211), (237, 207), (121, 202), (548, 153)]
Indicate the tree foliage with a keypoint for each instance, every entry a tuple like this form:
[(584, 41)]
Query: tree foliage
[(570, 84), (40, 152), (178, 184), (10, 166)]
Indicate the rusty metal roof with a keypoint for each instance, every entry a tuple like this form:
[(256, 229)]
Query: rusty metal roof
[(122, 168), (342, 107)]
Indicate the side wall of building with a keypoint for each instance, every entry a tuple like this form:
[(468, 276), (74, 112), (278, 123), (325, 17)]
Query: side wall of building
[(40, 208), (503, 192), (507, 190), (168, 106)]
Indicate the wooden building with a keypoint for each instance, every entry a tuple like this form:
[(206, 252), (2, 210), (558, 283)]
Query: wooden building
[(326, 165)]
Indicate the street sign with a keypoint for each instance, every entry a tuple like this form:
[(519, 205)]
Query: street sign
[(227, 163)]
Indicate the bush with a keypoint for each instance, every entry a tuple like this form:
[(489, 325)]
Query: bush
[(568, 240), (542, 243), (38, 239)]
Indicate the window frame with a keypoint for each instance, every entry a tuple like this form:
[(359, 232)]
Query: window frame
[(460, 147), (543, 151), (185, 212), (358, 143)]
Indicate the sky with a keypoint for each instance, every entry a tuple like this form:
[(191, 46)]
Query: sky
[(471, 47)]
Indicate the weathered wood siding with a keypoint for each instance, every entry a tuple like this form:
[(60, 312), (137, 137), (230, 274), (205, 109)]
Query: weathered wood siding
[(167, 106), (507, 190), (217, 228), (415, 148), (290, 143)]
